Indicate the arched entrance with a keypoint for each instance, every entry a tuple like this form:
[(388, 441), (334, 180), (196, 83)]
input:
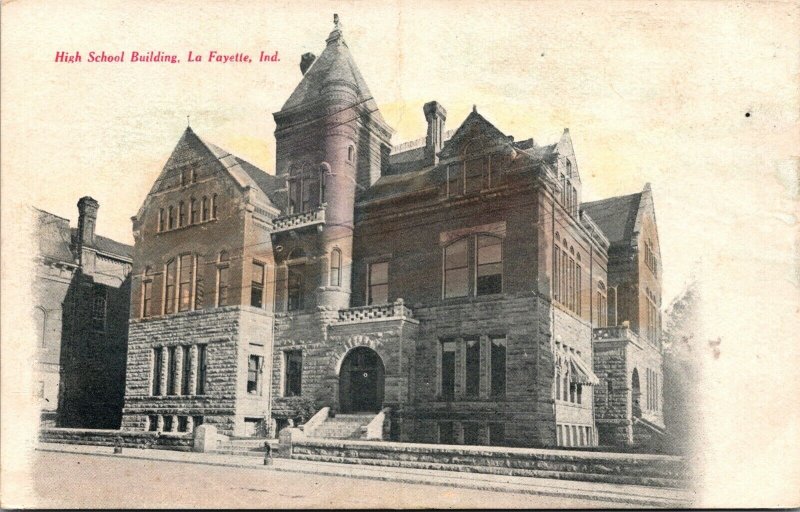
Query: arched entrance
[(636, 394), (361, 381)]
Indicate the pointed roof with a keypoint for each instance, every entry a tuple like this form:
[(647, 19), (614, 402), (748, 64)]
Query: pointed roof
[(474, 124), (616, 216), (335, 64)]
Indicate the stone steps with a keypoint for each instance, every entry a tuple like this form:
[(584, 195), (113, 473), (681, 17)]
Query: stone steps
[(342, 426)]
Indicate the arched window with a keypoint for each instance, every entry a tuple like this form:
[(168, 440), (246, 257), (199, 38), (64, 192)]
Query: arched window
[(556, 277), (569, 168), (204, 208), (578, 286), (171, 218), (40, 321), (170, 277), (490, 265), (161, 220), (351, 153), (181, 214), (193, 211), (214, 206), (456, 269), (336, 268)]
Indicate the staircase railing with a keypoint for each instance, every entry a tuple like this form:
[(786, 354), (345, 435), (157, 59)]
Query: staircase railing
[(315, 421), (374, 429)]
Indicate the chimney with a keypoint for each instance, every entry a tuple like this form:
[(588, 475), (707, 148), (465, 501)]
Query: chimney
[(306, 60), (87, 219), (436, 115)]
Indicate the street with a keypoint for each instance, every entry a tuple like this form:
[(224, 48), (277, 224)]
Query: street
[(72, 480)]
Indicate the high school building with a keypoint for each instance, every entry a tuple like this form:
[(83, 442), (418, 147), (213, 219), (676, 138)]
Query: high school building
[(457, 283)]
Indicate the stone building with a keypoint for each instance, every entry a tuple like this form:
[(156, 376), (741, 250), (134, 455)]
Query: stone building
[(81, 296), (450, 283)]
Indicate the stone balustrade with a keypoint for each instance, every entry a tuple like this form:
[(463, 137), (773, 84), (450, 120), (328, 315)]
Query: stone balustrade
[(619, 332), (299, 220), (394, 310)]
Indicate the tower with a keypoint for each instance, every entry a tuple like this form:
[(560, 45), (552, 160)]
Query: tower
[(331, 143)]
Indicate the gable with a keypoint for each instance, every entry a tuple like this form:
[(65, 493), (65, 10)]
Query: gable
[(475, 130)]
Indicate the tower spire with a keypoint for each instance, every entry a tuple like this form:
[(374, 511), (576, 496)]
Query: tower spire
[(336, 35)]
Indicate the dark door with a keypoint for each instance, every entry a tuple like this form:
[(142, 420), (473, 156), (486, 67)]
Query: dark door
[(364, 390)]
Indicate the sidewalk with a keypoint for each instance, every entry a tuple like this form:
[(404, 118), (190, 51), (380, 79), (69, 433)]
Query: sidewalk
[(602, 492)]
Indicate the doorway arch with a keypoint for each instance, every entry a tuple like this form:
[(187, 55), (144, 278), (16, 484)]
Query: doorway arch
[(361, 381), (636, 395)]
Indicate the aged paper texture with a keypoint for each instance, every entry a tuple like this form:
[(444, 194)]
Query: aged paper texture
[(690, 109)]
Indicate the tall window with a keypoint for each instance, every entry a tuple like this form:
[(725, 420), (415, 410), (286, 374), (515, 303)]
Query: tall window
[(258, 276), (455, 180), (293, 362), (567, 278), (306, 188), (490, 265), (172, 369), (186, 370), (336, 267), (202, 368), (448, 370), (351, 153), (378, 289), (193, 218), (474, 171), (181, 214), (498, 366), (161, 219), (473, 266), (214, 206), (602, 305), (223, 272), (40, 317), (158, 368), (204, 208), (185, 285), (254, 368), (456, 269), (147, 293), (199, 284), (578, 286), (99, 308), (295, 288), (473, 366), (171, 218)]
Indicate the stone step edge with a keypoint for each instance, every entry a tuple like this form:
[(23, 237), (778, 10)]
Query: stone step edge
[(497, 470)]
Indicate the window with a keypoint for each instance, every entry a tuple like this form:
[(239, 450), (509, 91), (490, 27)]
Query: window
[(186, 370), (193, 218), (167, 423), (254, 369), (40, 319), (497, 434), (181, 214), (204, 208), (172, 370), (486, 251), (199, 285), (306, 187), (568, 277), (184, 177), (223, 271), (490, 265), (351, 153), (378, 289), (474, 171), (183, 423), (498, 363), (197, 421), (185, 285), (446, 433), (455, 180), (214, 206), (336, 267), (257, 285), (171, 218), (295, 288), (473, 367), (158, 369), (147, 293), (293, 361), (99, 308), (152, 423), (169, 287), (472, 433), (448, 370), (161, 219), (602, 306), (202, 363), (456, 269)]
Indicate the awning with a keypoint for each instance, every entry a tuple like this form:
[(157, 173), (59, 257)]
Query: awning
[(581, 373)]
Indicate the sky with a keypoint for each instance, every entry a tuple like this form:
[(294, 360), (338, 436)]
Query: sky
[(700, 99)]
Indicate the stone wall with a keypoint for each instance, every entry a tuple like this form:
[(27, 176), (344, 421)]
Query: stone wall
[(159, 440)]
